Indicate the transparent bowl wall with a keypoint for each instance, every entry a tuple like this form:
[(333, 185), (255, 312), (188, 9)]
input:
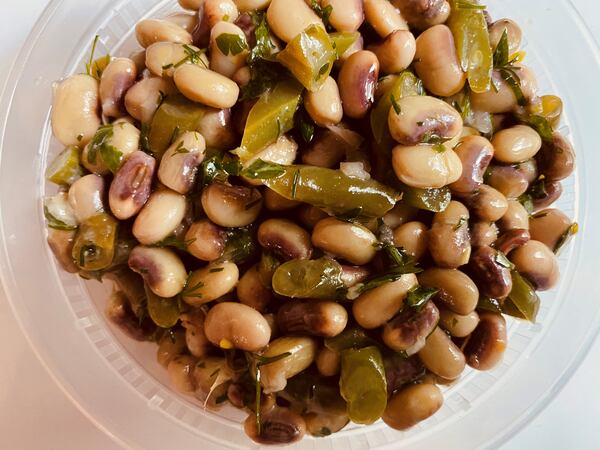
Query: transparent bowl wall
[(118, 384)]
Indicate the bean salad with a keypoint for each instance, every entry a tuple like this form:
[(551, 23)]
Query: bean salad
[(320, 211)]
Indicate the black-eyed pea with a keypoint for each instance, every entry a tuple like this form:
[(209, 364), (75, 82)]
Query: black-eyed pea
[(217, 128), (489, 270), (231, 206), (320, 424), (516, 144), (357, 81), (160, 216), (324, 319), (383, 17), (61, 243), (487, 204), (556, 159), (375, 307), (412, 405), (328, 362), (483, 234), (412, 237), (252, 5), (512, 239), (116, 79), (180, 162), (195, 338), (536, 262), (132, 185), (423, 14), (163, 57), (289, 18), (420, 117), (284, 238), (441, 356), (449, 239), (210, 283), (327, 149), (485, 347), (252, 292), (161, 268), (206, 240), (548, 226), (233, 325), (139, 59), (352, 275), (276, 202), (206, 87), (551, 193), (475, 153), (458, 325), (400, 214), (170, 346), (180, 371), (192, 5), (86, 197), (279, 426), (283, 151), (408, 331), (228, 48), (457, 292), (502, 99), (303, 351), (426, 166), (346, 16), (220, 10), (311, 215), (324, 106), (144, 97), (509, 180), (187, 21), (516, 217), (396, 52), (75, 110), (149, 31), (513, 31), (350, 241), (436, 62)]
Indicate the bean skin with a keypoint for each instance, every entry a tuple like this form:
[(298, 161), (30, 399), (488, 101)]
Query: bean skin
[(132, 185), (357, 81)]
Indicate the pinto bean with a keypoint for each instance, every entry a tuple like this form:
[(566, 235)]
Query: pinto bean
[(511, 240), (412, 237), (86, 197), (425, 166), (487, 204), (187, 21), (252, 292), (235, 325), (475, 153), (324, 106), (179, 164), (210, 283), (195, 337), (485, 347), (131, 187), (412, 405), (357, 81), (513, 31), (552, 192), (220, 10), (516, 144), (325, 319), (302, 351), (328, 362), (162, 213), (350, 241), (162, 57), (383, 17), (143, 98), (207, 240), (279, 426), (231, 206), (458, 325), (161, 268), (508, 180), (346, 16), (205, 86), (515, 218), (289, 18)]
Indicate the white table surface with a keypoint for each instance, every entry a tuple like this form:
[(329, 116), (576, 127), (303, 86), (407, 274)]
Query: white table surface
[(35, 414)]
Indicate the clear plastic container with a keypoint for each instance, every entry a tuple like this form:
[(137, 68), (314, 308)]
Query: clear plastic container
[(117, 383)]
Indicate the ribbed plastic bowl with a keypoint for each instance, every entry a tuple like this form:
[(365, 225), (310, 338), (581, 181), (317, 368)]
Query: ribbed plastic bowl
[(118, 384)]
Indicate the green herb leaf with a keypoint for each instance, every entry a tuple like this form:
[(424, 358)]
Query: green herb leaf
[(514, 82), (180, 150), (400, 264), (216, 270), (395, 104), (231, 43), (145, 139), (295, 182), (323, 13), (351, 216), (503, 260), (172, 241), (419, 296), (307, 130), (261, 170), (501, 54), (540, 124), (266, 360), (460, 223), (566, 237)]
